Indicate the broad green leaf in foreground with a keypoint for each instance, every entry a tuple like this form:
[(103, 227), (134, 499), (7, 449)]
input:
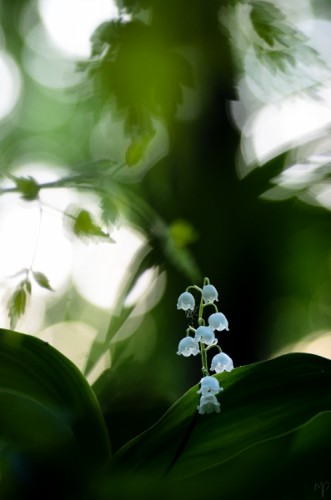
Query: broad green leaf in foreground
[(260, 402), (49, 415), (290, 466)]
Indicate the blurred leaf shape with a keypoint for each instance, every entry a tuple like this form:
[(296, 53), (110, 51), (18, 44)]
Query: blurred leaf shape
[(42, 280), (132, 63), (183, 233), (137, 149), (260, 402), (308, 177), (83, 225), (270, 23), (17, 302), (27, 186), (109, 209), (106, 34), (49, 415), (281, 39)]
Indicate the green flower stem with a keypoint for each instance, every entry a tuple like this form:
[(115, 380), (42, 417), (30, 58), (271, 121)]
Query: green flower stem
[(205, 371), (214, 345), (200, 317), (189, 329), (195, 287), (211, 304), (201, 321)]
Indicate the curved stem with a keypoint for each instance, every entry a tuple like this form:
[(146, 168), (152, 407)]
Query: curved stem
[(190, 329), (211, 304), (213, 345), (195, 287)]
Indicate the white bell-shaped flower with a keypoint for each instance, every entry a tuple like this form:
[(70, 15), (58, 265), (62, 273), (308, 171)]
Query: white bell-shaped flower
[(186, 301), (209, 385), (221, 362), (218, 321), (206, 335), (209, 294), (209, 404), (188, 346)]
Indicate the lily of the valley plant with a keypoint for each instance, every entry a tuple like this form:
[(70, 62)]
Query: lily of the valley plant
[(202, 339)]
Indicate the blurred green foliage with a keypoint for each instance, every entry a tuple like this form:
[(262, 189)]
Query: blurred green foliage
[(139, 74), (147, 130)]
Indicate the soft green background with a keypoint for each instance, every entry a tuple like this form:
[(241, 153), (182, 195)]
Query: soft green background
[(166, 94)]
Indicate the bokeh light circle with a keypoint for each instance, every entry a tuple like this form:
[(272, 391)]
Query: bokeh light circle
[(70, 23), (10, 84)]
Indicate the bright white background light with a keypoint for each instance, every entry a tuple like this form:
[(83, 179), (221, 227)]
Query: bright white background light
[(10, 84), (19, 228), (276, 128), (279, 110), (100, 267), (70, 23), (96, 268)]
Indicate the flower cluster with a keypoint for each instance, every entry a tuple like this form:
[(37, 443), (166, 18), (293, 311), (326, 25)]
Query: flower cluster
[(202, 339)]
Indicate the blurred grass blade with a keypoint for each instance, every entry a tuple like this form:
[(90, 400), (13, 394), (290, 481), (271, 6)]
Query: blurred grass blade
[(120, 312)]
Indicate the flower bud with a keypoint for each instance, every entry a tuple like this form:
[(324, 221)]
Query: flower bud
[(209, 404), (221, 362), (218, 321), (188, 346), (186, 301), (209, 294), (206, 335), (209, 385)]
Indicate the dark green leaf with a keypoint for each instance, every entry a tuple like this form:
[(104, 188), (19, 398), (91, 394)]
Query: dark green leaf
[(276, 59), (108, 33), (42, 280), (182, 233), (270, 24), (16, 305), (28, 187), (27, 285), (84, 226), (135, 152), (289, 465), (138, 122), (49, 417), (260, 402), (266, 12)]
